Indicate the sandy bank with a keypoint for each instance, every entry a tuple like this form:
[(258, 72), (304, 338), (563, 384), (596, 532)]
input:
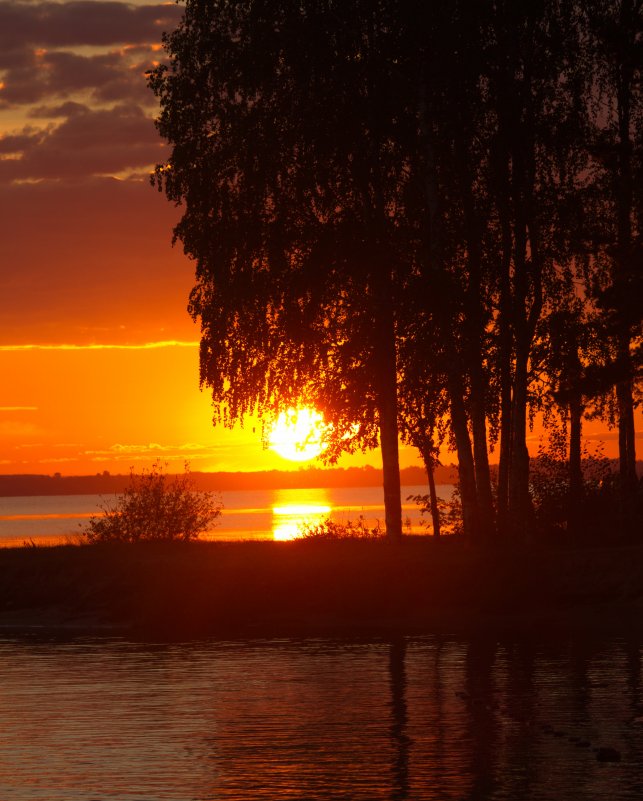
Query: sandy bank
[(310, 588)]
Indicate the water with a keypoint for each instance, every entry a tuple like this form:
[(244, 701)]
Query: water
[(262, 514), (425, 718)]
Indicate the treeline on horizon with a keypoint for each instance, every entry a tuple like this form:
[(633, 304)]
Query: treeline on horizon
[(310, 477), (424, 220)]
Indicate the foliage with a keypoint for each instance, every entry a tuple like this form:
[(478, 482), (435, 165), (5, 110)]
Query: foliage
[(296, 227), (400, 236), (155, 506), (550, 484), (332, 530), (450, 511)]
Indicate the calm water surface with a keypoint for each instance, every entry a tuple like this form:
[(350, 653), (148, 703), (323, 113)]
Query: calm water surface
[(428, 718), (261, 514)]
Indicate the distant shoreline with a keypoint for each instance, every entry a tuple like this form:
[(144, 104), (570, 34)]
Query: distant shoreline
[(267, 589), (104, 483)]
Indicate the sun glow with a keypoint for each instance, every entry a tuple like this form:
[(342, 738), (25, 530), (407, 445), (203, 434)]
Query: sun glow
[(290, 520), (297, 434)]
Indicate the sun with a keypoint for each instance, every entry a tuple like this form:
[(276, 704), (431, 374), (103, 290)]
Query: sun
[(297, 434)]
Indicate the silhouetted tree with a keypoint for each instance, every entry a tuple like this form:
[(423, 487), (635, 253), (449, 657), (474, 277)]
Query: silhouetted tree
[(567, 341), (615, 28), (389, 204), (498, 159), (423, 406), (281, 123), (536, 162)]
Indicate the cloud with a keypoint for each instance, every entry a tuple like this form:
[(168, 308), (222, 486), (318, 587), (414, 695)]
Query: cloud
[(90, 142), (607, 436), (83, 23), (57, 73), (15, 55), (19, 143), (96, 104), (93, 346), (68, 109), (128, 453), (11, 429), (116, 75), (86, 258)]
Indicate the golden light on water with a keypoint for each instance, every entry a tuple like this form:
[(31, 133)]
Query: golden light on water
[(289, 520)]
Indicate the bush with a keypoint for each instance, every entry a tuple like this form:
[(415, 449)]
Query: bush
[(449, 511), (549, 488), (330, 530), (155, 506)]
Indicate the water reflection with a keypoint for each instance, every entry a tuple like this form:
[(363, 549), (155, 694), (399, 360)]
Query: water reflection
[(479, 693), (294, 511), (400, 739), (430, 718)]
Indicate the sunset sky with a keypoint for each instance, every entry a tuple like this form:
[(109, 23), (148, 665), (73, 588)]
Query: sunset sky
[(98, 355)]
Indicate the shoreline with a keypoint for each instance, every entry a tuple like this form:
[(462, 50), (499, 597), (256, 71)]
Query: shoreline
[(309, 589), (222, 481)]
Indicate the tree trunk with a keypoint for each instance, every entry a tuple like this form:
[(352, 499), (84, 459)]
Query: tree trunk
[(385, 348), (627, 446), (519, 499), (628, 29), (481, 456), (575, 497), (386, 367), (466, 469), (474, 332), (390, 469), (427, 457), (505, 376)]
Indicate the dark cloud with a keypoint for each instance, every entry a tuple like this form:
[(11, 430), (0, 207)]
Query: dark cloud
[(68, 109), (82, 253), (90, 142), (57, 73), (108, 76), (22, 142), (15, 56), (83, 23)]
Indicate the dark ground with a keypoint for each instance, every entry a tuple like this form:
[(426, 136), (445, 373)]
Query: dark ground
[(184, 590)]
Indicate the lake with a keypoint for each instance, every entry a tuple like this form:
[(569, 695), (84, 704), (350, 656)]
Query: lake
[(428, 718), (263, 514)]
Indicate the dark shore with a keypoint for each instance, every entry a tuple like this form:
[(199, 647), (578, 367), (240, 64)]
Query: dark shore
[(186, 590)]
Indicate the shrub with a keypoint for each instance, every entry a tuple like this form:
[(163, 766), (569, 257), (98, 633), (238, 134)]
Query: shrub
[(331, 530), (549, 488), (155, 506), (449, 511)]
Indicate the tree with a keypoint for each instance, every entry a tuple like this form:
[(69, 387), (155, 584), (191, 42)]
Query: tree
[(615, 28), (282, 120), (155, 506), (355, 190), (423, 406), (568, 339), (536, 159), (497, 159)]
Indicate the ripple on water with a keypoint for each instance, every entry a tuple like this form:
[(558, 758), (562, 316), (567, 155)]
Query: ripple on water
[(424, 718)]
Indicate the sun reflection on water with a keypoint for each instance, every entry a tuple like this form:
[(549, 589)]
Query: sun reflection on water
[(291, 516)]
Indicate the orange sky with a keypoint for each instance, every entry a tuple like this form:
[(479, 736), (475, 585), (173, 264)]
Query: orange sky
[(98, 355)]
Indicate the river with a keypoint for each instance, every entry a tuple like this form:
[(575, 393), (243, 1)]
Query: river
[(257, 514), (427, 718)]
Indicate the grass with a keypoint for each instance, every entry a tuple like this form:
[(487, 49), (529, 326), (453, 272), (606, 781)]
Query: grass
[(183, 590)]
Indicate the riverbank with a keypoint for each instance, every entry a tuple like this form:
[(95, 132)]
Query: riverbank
[(183, 590)]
